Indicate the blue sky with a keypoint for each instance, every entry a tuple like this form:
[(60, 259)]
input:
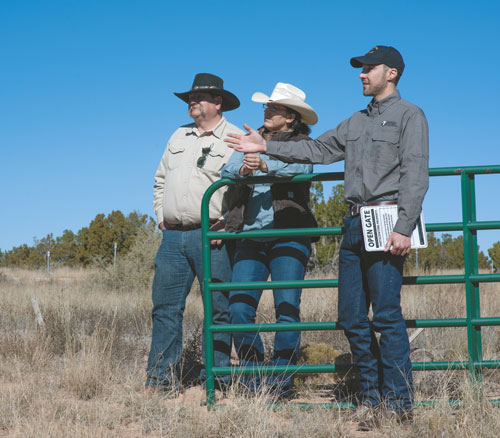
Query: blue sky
[(87, 104)]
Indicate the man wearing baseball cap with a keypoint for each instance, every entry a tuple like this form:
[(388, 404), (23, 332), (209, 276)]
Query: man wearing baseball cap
[(386, 153)]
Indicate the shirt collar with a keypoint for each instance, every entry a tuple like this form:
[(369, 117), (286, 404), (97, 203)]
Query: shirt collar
[(217, 131), (380, 106)]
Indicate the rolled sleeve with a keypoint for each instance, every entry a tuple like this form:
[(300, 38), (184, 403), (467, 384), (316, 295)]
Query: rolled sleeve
[(280, 168), (232, 168)]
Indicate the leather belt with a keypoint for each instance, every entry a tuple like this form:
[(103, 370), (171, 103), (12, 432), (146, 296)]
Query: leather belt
[(355, 209), (180, 227)]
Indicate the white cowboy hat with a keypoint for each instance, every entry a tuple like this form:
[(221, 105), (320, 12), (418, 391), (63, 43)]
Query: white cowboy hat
[(291, 97)]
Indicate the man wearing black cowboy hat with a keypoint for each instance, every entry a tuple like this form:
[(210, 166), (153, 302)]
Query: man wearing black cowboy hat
[(386, 153), (192, 161)]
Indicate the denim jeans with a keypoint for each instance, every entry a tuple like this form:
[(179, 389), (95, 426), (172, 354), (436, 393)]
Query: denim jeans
[(375, 278), (177, 262), (254, 261)]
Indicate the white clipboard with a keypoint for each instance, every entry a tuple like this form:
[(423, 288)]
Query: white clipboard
[(378, 222)]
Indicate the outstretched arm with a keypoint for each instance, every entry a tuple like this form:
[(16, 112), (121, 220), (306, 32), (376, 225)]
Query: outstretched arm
[(253, 142), (328, 148)]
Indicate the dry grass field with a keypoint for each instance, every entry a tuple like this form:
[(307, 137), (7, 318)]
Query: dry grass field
[(81, 373)]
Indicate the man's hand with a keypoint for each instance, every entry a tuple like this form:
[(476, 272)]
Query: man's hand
[(398, 244), (162, 226), (218, 226), (246, 143)]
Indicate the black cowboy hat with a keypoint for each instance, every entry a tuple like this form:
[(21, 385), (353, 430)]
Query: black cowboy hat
[(208, 83)]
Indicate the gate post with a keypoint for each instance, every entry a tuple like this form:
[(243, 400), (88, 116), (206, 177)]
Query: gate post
[(471, 268)]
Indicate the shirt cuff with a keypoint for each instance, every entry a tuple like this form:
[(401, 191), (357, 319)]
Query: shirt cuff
[(403, 227), (159, 217)]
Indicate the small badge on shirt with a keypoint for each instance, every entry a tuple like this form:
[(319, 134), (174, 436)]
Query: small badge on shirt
[(388, 123), (290, 194)]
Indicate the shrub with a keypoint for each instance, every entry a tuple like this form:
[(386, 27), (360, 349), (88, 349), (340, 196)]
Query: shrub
[(134, 270)]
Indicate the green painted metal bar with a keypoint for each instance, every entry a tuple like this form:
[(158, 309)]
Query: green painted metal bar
[(492, 320), (285, 284), (332, 368), (473, 321), (483, 225), (335, 231), (470, 267), (485, 278), (457, 171), (333, 325), (458, 226), (444, 226), (327, 283), (491, 364), (434, 279), (452, 403), (327, 231), (437, 322), (270, 369), (273, 327), (207, 297)]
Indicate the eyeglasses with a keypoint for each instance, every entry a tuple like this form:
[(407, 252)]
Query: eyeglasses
[(204, 152), (271, 107)]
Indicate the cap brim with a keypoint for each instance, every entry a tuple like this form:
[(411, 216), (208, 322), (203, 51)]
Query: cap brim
[(358, 61)]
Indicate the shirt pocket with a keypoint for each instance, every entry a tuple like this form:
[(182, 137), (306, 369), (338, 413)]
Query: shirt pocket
[(174, 156), (353, 135), (385, 146), (215, 160), (353, 149)]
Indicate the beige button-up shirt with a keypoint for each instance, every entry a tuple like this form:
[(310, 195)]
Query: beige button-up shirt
[(184, 175)]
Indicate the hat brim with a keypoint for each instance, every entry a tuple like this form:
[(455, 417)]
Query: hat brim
[(229, 100), (307, 113)]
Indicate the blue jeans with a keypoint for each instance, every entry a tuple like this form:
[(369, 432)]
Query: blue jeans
[(177, 262), (254, 261), (375, 278)]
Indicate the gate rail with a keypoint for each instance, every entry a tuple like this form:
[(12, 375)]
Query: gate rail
[(471, 278)]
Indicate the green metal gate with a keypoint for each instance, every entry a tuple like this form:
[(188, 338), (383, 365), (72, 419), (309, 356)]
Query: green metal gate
[(471, 277)]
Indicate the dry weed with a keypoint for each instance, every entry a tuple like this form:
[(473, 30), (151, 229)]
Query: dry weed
[(81, 374)]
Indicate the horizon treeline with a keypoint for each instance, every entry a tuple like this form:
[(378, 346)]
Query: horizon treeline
[(96, 241)]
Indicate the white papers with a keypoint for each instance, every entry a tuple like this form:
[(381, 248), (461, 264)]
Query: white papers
[(378, 222)]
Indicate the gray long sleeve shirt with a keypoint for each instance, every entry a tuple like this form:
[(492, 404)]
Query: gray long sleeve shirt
[(386, 153)]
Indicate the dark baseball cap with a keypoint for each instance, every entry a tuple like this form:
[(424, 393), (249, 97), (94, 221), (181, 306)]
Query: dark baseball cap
[(381, 55)]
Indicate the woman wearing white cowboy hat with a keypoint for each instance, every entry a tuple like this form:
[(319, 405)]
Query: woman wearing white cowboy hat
[(264, 206)]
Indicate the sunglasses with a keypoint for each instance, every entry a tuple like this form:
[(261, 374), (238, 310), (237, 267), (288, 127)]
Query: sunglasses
[(272, 107), (204, 152)]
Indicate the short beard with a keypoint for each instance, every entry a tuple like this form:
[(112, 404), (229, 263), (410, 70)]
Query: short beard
[(375, 89)]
